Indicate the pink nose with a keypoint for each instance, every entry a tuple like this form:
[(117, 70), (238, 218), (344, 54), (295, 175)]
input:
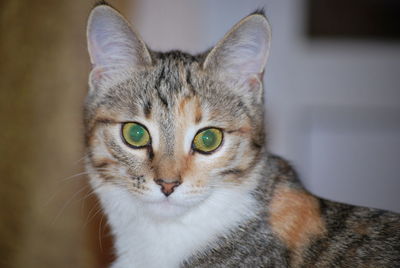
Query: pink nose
[(167, 186)]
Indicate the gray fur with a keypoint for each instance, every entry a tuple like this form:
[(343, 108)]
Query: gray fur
[(254, 244), (155, 90)]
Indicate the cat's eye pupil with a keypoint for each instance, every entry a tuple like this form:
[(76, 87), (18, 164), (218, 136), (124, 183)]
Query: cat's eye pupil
[(136, 133), (209, 138)]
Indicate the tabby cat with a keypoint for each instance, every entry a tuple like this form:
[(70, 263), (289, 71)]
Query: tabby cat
[(177, 156)]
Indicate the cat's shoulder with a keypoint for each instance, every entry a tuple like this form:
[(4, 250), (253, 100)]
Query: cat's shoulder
[(279, 171), (293, 213), (299, 219)]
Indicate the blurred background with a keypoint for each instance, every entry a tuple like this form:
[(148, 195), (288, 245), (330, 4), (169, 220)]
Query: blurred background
[(332, 89)]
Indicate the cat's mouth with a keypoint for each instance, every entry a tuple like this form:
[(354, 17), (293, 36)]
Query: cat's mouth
[(164, 202), (171, 206)]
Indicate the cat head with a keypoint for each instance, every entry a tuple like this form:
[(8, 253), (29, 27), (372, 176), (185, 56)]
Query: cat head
[(172, 129)]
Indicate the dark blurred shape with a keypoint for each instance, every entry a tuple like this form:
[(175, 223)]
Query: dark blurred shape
[(377, 19)]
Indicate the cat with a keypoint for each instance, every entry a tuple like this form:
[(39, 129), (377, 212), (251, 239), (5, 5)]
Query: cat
[(178, 158)]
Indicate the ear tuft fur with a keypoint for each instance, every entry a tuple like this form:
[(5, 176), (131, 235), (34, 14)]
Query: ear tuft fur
[(259, 11), (101, 3)]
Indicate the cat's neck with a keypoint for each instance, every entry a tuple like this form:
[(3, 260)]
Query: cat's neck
[(142, 241)]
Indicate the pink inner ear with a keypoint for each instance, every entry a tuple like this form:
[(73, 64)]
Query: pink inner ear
[(97, 73), (250, 66), (244, 51), (252, 86), (254, 81)]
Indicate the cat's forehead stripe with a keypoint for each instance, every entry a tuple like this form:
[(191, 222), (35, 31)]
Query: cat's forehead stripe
[(172, 89), (147, 109), (160, 85)]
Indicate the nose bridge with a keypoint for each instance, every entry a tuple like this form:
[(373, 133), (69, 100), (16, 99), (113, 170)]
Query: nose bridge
[(167, 162), (167, 128), (167, 168)]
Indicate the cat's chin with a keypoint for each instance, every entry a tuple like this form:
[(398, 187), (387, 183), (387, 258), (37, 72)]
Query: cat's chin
[(164, 209)]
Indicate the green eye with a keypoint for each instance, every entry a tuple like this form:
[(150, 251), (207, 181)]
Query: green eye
[(135, 135), (207, 140)]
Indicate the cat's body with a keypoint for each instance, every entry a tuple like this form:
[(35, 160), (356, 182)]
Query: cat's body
[(296, 229), (172, 201)]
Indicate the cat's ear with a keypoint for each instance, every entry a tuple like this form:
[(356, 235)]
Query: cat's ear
[(242, 54), (114, 47)]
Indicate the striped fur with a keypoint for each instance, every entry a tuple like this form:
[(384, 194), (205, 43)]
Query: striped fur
[(239, 206)]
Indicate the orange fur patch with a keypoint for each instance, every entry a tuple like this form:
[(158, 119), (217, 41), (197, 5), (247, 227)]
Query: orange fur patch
[(186, 165), (295, 217), (198, 112), (167, 168), (189, 108), (182, 105)]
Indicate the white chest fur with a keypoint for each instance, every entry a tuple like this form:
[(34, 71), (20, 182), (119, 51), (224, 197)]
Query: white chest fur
[(145, 242)]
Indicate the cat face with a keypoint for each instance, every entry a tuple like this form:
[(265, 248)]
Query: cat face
[(171, 129)]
